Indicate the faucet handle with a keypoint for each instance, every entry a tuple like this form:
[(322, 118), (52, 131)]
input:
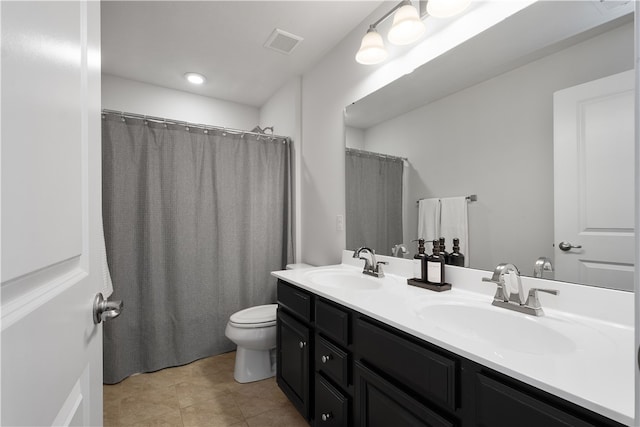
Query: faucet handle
[(501, 291), (378, 268), (532, 298)]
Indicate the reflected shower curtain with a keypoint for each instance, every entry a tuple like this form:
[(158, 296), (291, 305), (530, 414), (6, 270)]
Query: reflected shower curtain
[(194, 224), (373, 201)]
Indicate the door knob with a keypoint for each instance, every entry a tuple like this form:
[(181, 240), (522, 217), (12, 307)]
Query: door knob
[(105, 310), (326, 358), (566, 246), (302, 344)]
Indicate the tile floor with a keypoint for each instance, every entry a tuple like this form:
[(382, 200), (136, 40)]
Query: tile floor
[(202, 393)]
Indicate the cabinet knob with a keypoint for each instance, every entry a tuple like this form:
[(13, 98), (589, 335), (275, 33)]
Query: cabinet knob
[(326, 358), (302, 344), (327, 416)]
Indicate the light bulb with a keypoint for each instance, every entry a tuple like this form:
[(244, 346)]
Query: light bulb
[(195, 78), (372, 50), (446, 8), (407, 26)]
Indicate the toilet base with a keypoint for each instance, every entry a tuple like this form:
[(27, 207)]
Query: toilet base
[(254, 365)]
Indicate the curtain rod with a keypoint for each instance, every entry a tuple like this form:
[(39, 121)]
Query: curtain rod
[(470, 198), (189, 124), (371, 153)]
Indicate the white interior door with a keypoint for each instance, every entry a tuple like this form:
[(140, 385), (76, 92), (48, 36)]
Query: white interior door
[(51, 351), (594, 179)]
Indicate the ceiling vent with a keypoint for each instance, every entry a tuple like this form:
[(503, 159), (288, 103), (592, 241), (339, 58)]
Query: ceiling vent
[(282, 42), (606, 5)]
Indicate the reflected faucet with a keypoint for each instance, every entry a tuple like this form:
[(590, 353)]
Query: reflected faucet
[(542, 264), (515, 301), (373, 268), (399, 250)]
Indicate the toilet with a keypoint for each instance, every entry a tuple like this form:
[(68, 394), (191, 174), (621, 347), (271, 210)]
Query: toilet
[(253, 330)]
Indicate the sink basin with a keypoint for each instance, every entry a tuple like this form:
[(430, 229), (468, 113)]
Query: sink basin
[(344, 279), (502, 328)]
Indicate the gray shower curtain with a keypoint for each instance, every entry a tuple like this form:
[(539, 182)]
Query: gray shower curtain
[(194, 224), (373, 201)]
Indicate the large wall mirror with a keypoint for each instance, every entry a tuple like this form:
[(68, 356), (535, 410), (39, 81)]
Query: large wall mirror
[(534, 116)]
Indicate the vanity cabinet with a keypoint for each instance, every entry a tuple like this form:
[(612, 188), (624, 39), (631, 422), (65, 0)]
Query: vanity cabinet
[(294, 346), (363, 372)]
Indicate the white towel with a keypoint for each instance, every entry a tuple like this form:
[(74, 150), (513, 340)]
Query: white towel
[(454, 223), (429, 219), (107, 284)]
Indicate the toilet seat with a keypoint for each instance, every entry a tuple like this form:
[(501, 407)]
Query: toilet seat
[(261, 316)]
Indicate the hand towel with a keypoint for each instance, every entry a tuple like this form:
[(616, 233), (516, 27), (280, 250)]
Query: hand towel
[(454, 223), (107, 284), (429, 219)]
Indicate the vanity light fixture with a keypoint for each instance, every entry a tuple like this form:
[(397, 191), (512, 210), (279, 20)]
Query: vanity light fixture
[(407, 26), (195, 78), (372, 50), (446, 8)]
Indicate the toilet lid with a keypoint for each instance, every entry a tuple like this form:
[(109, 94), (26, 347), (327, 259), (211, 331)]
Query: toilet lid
[(257, 314)]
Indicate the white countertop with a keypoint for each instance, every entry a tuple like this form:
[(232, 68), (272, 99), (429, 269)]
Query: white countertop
[(595, 372)]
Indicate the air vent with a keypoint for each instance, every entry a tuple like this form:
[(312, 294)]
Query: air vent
[(282, 42), (613, 4)]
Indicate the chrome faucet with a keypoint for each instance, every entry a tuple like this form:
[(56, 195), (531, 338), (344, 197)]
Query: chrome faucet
[(373, 268), (542, 264), (515, 301), (399, 250)]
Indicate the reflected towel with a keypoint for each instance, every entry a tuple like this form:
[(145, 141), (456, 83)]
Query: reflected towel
[(454, 223), (429, 219), (107, 284)]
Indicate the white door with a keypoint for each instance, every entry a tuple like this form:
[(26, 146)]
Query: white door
[(594, 182), (51, 351)]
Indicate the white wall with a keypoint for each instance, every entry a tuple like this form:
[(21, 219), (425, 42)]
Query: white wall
[(142, 98), (336, 81), (354, 138), (283, 112), (495, 139)]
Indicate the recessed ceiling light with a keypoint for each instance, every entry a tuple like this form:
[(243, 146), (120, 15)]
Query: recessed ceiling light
[(195, 78)]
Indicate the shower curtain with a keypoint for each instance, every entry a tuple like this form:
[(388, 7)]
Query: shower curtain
[(373, 200), (194, 224)]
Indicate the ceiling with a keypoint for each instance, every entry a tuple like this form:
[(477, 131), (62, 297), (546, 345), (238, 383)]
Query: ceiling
[(158, 41)]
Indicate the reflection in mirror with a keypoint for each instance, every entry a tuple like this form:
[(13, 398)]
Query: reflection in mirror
[(374, 200), (494, 128)]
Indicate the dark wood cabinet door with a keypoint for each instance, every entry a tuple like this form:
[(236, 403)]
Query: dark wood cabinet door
[(293, 344), (379, 404), (500, 405)]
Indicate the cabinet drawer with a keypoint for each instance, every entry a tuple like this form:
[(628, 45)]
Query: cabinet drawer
[(332, 361), (333, 321), (422, 371), (499, 405), (332, 407), (379, 403), (295, 300)]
